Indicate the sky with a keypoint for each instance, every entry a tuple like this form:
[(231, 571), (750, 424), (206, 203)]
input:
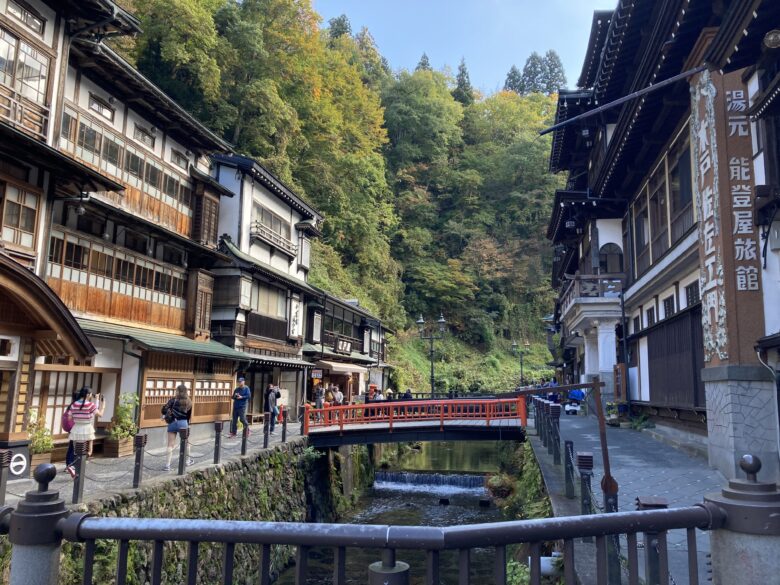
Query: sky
[(491, 35)]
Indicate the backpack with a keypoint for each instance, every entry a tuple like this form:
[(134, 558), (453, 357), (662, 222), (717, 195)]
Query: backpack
[(168, 415), (67, 421)]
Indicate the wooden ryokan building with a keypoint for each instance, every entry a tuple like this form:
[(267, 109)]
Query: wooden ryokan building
[(658, 222)]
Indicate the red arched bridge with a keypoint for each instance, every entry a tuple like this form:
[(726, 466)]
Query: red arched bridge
[(482, 419)]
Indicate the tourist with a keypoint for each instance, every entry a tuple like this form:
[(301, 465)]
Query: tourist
[(176, 413), (338, 397), (272, 394), (319, 400), (241, 396), (83, 411), (329, 395), (389, 394), (408, 394)]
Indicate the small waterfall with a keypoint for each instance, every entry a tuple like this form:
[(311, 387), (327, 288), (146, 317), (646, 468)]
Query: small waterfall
[(417, 481)]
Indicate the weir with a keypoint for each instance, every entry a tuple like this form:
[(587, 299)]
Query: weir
[(430, 479)]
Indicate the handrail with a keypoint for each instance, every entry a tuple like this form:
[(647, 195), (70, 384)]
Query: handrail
[(393, 412), (80, 527), (259, 229)]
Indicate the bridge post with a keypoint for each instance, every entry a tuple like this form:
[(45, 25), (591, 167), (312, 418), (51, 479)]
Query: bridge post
[(302, 418), (139, 442), (542, 422), (388, 571), (305, 427), (555, 418), (585, 467), (652, 552)]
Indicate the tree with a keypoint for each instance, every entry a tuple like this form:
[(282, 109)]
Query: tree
[(339, 26), (532, 79), (553, 76), (513, 80), (424, 64), (463, 91)]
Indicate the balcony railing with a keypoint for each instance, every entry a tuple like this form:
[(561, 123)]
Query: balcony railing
[(264, 233), (591, 286), (264, 326), (682, 223), (23, 114)]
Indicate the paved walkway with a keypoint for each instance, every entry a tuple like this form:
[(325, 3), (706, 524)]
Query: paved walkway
[(642, 466), (107, 476)]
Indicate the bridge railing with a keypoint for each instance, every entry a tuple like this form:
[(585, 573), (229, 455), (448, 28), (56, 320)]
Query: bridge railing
[(41, 523), (394, 412)]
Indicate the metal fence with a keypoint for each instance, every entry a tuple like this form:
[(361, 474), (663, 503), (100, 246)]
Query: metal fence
[(41, 523)]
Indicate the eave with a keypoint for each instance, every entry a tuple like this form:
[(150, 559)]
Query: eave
[(598, 35)]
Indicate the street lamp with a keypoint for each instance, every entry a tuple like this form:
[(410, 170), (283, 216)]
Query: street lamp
[(431, 337), (516, 350)]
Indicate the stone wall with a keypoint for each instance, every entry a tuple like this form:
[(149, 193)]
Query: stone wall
[(287, 483)]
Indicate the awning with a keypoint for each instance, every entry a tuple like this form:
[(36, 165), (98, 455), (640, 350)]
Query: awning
[(163, 342), (340, 368), (355, 356), (282, 362)]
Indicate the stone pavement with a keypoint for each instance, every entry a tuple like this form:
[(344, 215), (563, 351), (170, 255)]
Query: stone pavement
[(642, 466), (108, 476)]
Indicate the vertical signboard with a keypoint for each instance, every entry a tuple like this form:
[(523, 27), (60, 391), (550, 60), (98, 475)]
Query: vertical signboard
[(730, 277)]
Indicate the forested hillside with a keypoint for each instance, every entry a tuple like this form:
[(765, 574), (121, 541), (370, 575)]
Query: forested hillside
[(435, 198)]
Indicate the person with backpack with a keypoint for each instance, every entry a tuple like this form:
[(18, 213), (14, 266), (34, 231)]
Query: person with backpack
[(176, 413), (82, 412)]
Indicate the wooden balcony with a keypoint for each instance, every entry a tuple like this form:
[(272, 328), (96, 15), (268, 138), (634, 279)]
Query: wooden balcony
[(23, 114), (589, 295), (261, 232)]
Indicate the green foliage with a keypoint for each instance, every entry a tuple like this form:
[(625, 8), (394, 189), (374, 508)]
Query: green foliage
[(424, 64), (513, 80), (554, 77), (463, 91), (123, 422), (39, 434)]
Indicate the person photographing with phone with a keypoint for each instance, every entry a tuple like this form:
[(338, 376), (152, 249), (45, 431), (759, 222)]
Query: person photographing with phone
[(241, 396)]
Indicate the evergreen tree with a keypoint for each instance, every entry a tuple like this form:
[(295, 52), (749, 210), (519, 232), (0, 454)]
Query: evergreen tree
[(463, 91), (513, 80), (339, 26), (424, 64), (532, 80), (553, 75)]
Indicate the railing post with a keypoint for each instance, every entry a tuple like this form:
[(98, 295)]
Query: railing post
[(183, 435), (305, 427), (218, 426), (80, 448), (244, 438), (388, 571), (749, 540), (390, 420), (139, 442), (34, 534), (569, 468), (548, 424), (613, 542), (302, 418), (652, 554), (522, 409), (266, 428), (555, 419), (284, 425), (585, 467), (5, 463)]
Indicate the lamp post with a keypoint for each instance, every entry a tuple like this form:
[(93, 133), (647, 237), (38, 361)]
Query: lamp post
[(517, 350), (432, 336)]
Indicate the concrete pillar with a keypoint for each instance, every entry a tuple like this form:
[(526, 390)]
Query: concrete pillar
[(741, 418), (607, 355), (591, 354), (744, 549)]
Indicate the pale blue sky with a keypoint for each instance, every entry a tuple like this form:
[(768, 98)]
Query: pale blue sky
[(491, 34)]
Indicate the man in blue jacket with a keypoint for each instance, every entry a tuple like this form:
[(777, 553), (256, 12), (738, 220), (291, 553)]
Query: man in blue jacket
[(241, 396)]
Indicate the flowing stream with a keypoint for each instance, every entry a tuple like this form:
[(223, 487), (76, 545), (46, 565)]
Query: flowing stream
[(410, 494)]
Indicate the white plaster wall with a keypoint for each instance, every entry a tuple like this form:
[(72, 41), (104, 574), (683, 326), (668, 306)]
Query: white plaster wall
[(610, 232), (771, 284), (262, 253), (45, 11), (86, 86), (130, 370), (109, 352), (644, 373), (134, 118), (70, 84), (280, 262)]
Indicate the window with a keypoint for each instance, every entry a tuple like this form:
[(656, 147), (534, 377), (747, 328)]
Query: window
[(27, 17), (162, 282), (124, 271), (180, 160), (134, 164), (152, 175), (89, 138), (610, 259), (137, 242), (269, 301), (650, 316), (210, 220), (692, 294), (32, 71), (680, 180), (173, 255), (204, 310), (101, 107), (55, 250), (641, 234), (76, 255), (68, 128), (112, 152), (658, 205), (637, 324), (101, 264), (272, 221), (144, 276), (668, 306), (20, 215), (143, 136), (170, 186)]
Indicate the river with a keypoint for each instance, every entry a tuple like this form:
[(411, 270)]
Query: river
[(410, 494)]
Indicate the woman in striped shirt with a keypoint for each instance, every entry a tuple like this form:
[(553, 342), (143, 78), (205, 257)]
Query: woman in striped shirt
[(83, 410)]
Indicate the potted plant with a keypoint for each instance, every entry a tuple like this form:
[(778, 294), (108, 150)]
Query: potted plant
[(41, 442), (122, 429)]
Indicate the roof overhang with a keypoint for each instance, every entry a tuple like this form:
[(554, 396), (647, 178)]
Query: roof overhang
[(207, 179), (43, 309), (598, 35), (100, 17), (341, 368)]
